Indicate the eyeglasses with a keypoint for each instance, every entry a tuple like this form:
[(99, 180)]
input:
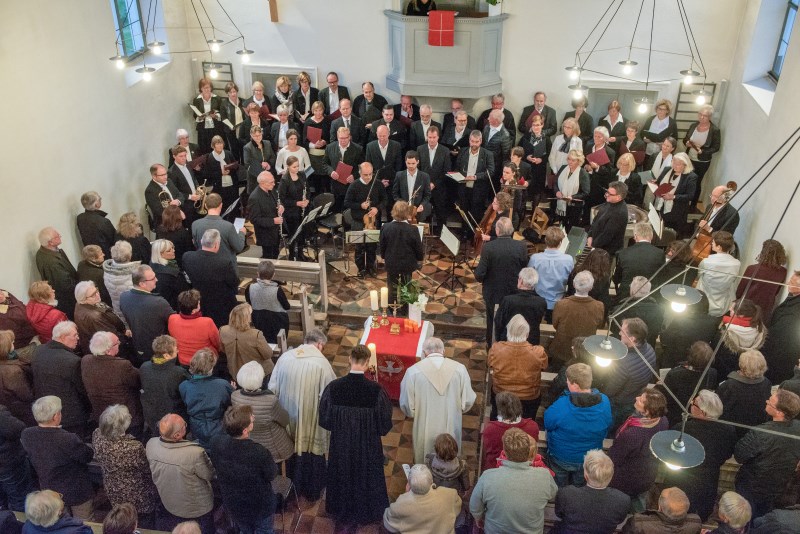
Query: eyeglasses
[(93, 294), (662, 108), (610, 194), (150, 279), (159, 175)]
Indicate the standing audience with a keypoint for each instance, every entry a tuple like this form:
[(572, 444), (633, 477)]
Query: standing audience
[(206, 397), (191, 329), (145, 312), (54, 267), (243, 343), (118, 271), (576, 315), (161, 377), (42, 312)]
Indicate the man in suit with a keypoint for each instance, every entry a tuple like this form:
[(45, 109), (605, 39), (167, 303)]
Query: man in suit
[(476, 165), (501, 261), (497, 140), (331, 96), (526, 302), (54, 266), (160, 192), (434, 159), (456, 136), (415, 181), (348, 153), (146, 313), (419, 129), (368, 105), (498, 102), (608, 227), (449, 120), (539, 108), (386, 157), (213, 276), (365, 198), (232, 241), (358, 131), (406, 111), (723, 216), (266, 215), (640, 259), (397, 132), (183, 178), (401, 248)]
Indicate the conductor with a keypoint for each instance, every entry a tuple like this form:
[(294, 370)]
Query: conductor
[(401, 248)]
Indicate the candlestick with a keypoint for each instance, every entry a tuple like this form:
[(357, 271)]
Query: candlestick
[(384, 297), (384, 318), (373, 300)]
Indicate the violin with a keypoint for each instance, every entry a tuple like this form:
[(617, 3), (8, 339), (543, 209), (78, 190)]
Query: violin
[(484, 228), (412, 207), (701, 248), (370, 221)]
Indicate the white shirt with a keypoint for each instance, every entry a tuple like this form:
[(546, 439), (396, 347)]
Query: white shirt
[(333, 99), (432, 152), (346, 121), (492, 131), (284, 127), (410, 179), (458, 135), (383, 149), (187, 176), (472, 166), (425, 129)]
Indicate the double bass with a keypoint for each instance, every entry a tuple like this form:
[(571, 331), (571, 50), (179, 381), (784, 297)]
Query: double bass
[(701, 248)]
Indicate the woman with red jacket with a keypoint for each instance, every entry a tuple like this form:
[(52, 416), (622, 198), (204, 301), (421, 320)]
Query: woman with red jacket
[(191, 330), (41, 310)]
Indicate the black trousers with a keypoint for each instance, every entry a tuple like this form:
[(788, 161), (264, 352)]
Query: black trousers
[(368, 250)]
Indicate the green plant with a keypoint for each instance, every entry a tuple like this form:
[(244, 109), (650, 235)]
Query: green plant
[(408, 293), (493, 2)]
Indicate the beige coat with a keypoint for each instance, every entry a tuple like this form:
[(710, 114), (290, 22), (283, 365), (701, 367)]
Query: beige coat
[(574, 316), (432, 513), (182, 472), (243, 347)]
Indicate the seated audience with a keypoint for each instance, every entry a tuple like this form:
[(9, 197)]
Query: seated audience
[(517, 366), (648, 309), (743, 329), (130, 229), (509, 415), (187, 527), (161, 377), (44, 513), (15, 319), (424, 507), (170, 281), (191, 330), (16, 390), (182, 474), (576, 315), (718, 440), (682, 329), (512, 498), (597, 262), (576, 423), (122, 519), (448, 469), (269, 302), (118, 271), (745, 391), (126, 472), (41, 310), (59, 457), (525, 302), (631, 373), (716, 274), (672, 516), (145, 312), (109, 379), (90, 269), (271, 420), (15, 476), (734, 514), (682, 379), (553, 268), (243, 343), (206, 397), (635, 467), (92, 316), (593, 507)]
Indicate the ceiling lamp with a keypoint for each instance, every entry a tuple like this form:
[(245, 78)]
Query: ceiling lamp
[(605, 349), (680, 296), (155, 46), (689, 75), (578, 89), (701, 96), (146, 72), (627, 66), (574, 72), (214, 44), (245, 53), (119, 61), (676, 449)]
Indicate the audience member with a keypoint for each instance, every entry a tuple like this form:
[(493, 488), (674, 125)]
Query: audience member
[(633, 372), (435, 391), (90, 269), (243, 343), (745, 391), (742, 329), (126, 472), (783, 345), (716, 275), (298, 380), (597, 262), (109, 380), (16, 390), (553, 268), (161, 377), (635, 466), (734, 514), (206, 397), (42, 312), (54, 267), (187, 527), (93, 226), (92, 316), (357, 412), (44, 513), (424, 507), (579, 355), (172, 229), (608, 226), (769, 460), (682, 329), (682, 379), (516, 366), (57, 371), (213, 276), (449, 470), (122, 519), (182, 474), (59, 457), (271, 419), (13, 317), (145, 312), (592, 507), (648, 309), (672, 516), (231, 241), (269, 302), (118, 271), (762, 281), (512, 497), (130, 229), (170, 281), (526, 302), (245, 470), (793, 384), (576, 423), (191, 330), (509, 415), (576, 315), (639, 259), (778, 521), (679, 256), (15, 476)]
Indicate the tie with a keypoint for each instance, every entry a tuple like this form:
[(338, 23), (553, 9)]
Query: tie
[(347, 124)]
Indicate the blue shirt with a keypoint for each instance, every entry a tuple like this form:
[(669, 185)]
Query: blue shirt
[(553, 267)]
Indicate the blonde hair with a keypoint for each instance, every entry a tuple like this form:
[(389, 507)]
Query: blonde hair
[(40, 291), (283, 80), (666, 103), (752, 364), (129, 225), (577, 154), (576, 130), (629, 159), (6, 343), (684, 158), (240, 317)]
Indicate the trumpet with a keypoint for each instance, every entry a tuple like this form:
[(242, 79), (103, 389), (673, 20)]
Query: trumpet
[(165, 198), (200, 203)]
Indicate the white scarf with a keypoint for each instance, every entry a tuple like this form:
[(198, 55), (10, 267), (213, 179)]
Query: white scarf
[(568, 184), (660, 164), (667, 204)]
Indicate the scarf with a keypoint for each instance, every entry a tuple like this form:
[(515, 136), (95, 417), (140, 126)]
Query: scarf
[(637, 421), (568, 184), (659, 202), (286, 99), (538, 461)]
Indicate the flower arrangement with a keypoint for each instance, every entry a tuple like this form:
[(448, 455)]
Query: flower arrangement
[(411, 293)]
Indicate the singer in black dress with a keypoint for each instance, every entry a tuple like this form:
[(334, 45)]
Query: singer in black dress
[(294, 198)]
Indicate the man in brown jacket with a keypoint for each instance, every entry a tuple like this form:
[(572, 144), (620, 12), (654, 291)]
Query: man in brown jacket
[(577, 315), (671, 516)]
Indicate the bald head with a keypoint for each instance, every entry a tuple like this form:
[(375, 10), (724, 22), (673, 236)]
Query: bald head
[(718, 197), (382, 133), (266, 181), (172, 427)]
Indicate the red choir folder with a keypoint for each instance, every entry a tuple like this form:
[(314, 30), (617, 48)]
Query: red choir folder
[(335, 115), (343, 170), (600, 157), (529, 120), (638, 155), (313, 134), (199, 161), (233, 167), (663, 189), (441, 28)]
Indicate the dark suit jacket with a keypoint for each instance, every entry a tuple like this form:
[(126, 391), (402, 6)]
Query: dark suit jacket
[(414, 113), (508, 122), (388, 166), (274, 133), (397, 132), (437, 168), (401, 247), (501, 261), (216, 280), (299, 102), (639, 259), (526, 303), (684, 194), (192, 149), (324, 95), (354, 155), (548, 114), (417, 137), (455, 147), (360, 104), (228, 111), (154, 204), (485, 163), (727, 219), (449, 121), (635, 189), (176, 177), (712, 141), (608, 227), (263, 208), (252, 158), (670, 131), (500, 146), (96, 229), (422, 182), (617, 131), (57, 371), (358, 133), (244, 131)]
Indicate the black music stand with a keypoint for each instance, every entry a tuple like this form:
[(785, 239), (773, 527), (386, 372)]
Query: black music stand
[(452, 244)]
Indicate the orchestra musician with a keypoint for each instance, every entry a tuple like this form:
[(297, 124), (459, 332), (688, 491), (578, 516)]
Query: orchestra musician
[(510, 177), (365, 197), (723, 216), (572, 187), (293, 192), (266, 214), (503, 206), (414, 182), (477, 166), (160, 192), (401, 248)]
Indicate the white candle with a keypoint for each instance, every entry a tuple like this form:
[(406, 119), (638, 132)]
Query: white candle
[(373, 300), (373, 358), (384, 297)]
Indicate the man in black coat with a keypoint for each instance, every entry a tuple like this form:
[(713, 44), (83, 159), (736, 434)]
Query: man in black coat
[(213, 276), (501, 261), (434, 160), (386, 157), (368, 105), (54, 267), (397, 132), (498, 103), (525, 302), (348, 153), (782, 346), (332, 95), (608, 227), (93, 226), (414, 181), (266, 215), (358, 132), (406, 111), (185, 181), (497, 140), (145, 312), (723, 216), (418, 133), (539, 107), (477, 166), (648, 309), (401, 248), (160, 193), (161, 377), (449, 119), (639, 259), (15, 479)]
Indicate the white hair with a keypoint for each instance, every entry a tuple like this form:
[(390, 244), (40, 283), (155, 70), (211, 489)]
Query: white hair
[(43, 508), (598, 468), (517, 329), (420, 479), (315, 335), (101, 343), (46, 234), (210, 238), (640, 286), (529, 276), (181, 133), (709, 403), (735, 509), (433, 344), (114, 421), (121, 252), (82, 290), (583, 282), (250, 376), (603, 131), (45, 408), (64, 328)]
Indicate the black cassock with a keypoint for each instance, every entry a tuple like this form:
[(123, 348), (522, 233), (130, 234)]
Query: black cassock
[(357, 412)]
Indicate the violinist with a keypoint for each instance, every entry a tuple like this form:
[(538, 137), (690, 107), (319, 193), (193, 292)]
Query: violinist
[(572, 187), (414, 182), (293, 192), (511, 176), (365, 198), (502, 206)]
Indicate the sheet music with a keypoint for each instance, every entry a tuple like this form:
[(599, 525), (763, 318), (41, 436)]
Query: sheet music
[(457, 176), (646, 176), (196, 111), (655, 221), (450, 240), (238, 223)]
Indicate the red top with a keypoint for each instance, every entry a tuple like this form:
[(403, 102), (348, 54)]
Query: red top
[(43, 317), (493, 439), (193, 333)]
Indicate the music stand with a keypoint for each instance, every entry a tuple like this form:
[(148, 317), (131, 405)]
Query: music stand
[(452, 244), (362, 237)]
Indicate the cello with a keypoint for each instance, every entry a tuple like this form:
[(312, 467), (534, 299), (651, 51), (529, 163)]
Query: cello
[(484, 228), (701, 248)]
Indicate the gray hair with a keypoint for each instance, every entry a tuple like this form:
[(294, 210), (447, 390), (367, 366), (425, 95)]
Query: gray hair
[(673, 503), (735, 509), (262, 177), (89, 200), (157, 248), (420, 479), (181, 133), (602, 130), (140, 274), (315, 335), (210, 238), (706, 109), (583, 282), (63, 328), (504, 227), (496, 114), (640, 286), (121, 252), (517, 329), (43, 508), (283, 108), (476, 134), (643, 230), (752, 364), (114, 421), (529, 277), (45, 408), (46, 234), (431, 345), (101, 343), (682, 157), (709, 403), (598, 468), (82, 290), (250, 376), (424, 107)]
